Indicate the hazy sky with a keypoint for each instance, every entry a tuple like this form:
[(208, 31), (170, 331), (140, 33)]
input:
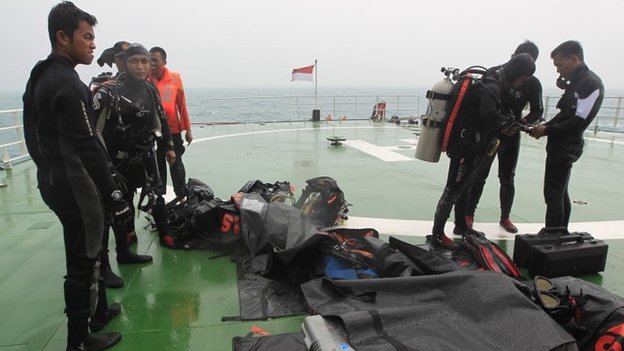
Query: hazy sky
[(248, 43)]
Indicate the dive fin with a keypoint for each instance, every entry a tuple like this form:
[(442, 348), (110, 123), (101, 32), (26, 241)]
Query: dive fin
[(489, 255), (505, 262), (487, 258)]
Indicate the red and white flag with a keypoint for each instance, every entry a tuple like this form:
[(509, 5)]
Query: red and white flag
[(303, 73)]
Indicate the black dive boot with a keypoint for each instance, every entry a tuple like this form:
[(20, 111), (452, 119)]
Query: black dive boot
[(443, 209), (104, 312), (124, 255), (441, 240), (159, 213), (111, 280), (78, 299), (97, 342)]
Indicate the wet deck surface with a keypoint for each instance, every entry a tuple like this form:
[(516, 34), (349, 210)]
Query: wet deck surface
[(176, 302)]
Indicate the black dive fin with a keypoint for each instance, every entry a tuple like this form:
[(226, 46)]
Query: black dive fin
[(505, 262), (480, 250), (489, 255)]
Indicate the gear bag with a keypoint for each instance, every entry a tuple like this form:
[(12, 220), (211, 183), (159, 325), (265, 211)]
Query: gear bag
[(278, 191), (179, 214), (323, 202)]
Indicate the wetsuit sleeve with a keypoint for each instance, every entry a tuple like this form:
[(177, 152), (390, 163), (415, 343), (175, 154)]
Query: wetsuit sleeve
[(185, 123), (102, 110), (75, 123), (577, 119), (536, 103), (490, 112)]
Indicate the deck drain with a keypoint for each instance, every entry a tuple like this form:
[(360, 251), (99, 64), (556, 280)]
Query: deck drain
[(41, 225)]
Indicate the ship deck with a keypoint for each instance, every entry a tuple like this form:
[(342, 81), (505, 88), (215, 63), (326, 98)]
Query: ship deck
[(177, 301)]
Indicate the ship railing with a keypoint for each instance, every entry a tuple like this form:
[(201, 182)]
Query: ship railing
[(299, 108), (12, 145), (267, 109), (291, 108), (607, 120)]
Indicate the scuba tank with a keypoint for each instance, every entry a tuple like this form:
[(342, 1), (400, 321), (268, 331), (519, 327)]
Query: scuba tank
[(432, 123)]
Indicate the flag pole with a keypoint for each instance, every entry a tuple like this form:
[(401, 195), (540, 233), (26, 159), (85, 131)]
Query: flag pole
[(315, 85)]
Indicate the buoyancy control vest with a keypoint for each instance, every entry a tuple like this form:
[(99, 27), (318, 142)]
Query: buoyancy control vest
[(127, 117), (449, 119), (462, 116)]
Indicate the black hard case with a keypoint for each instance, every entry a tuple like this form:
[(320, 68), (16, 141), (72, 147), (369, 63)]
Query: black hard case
[(571, 255), (524, 242)]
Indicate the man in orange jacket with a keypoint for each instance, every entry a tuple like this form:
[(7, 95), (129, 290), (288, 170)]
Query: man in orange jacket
[(173, 100)]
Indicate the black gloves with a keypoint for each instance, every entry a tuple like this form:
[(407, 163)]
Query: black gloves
[(120, 181), (120, 212)]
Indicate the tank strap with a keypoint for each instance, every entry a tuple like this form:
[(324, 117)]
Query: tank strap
[(438, 96), (453, 116), (431, 123)]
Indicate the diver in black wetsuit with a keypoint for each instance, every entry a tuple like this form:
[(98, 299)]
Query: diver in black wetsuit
[(72, 171), (130, 120), (530, 92), (113, 55), (578, 106), (482, 117)]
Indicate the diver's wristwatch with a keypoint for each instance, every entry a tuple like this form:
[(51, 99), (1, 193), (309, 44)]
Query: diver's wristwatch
[(116, 195)]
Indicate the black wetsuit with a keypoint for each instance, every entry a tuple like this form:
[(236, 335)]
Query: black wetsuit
[(72, 173), (129, 116), (482, 118), (508, 150), (578, 107)]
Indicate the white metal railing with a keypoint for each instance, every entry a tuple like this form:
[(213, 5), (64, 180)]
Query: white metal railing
[(256, 109), (12, 144), (606, 120), (293, 107), (289, 108)]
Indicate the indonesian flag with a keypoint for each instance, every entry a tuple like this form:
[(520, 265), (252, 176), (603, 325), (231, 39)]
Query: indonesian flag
[(303, 73)]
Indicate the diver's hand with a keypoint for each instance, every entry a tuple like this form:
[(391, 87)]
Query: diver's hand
[(170, 156), (510, 130), (188, 136), (538, 132), (120, 212)]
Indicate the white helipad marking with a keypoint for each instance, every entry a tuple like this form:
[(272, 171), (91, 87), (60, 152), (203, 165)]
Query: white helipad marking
[(382, 153), (599, 230)]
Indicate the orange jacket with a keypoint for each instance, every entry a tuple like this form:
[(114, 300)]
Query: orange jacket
[(173, 101)]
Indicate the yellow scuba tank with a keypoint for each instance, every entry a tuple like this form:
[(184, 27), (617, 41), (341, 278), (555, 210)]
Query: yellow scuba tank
[(432, 123)]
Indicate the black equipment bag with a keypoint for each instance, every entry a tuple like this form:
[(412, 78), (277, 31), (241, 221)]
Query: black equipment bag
[(546, 236), (323, 202), (570, 255)]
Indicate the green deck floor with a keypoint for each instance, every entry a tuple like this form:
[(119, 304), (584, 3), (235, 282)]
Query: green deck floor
[(176, 302)]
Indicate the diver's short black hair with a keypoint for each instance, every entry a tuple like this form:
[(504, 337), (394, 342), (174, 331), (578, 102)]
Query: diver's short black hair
[(159, 50), (528, 47), (569, 48), (66, 16)]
